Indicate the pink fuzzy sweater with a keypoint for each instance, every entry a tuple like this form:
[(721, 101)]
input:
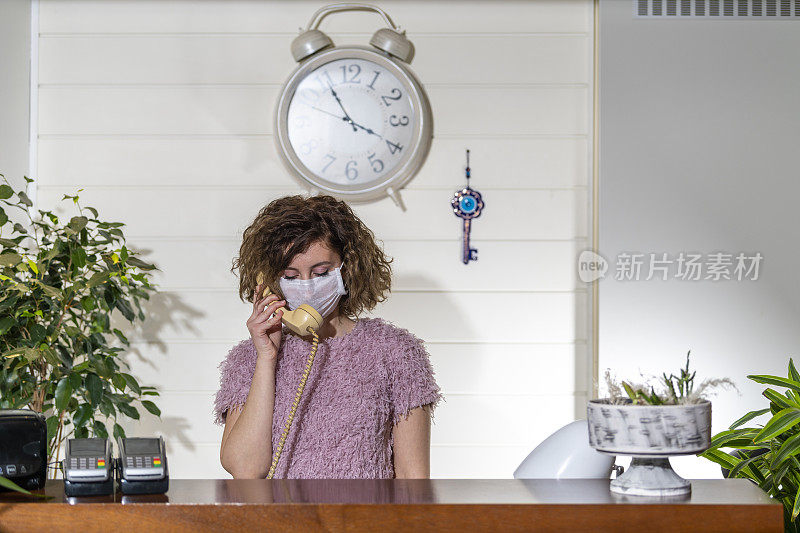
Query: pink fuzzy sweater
[(360, 385)]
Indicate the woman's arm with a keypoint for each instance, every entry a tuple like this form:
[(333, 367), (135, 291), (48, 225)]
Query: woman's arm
[(412, 444), (246, 450)]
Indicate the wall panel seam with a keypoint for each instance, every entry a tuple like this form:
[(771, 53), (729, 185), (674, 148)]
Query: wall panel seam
[(206, 289), (233, 136), (576, 392), (289, 35), (219, 340), (240, 85), (155, 186), (207, 340), (237, 238), (525, 445)]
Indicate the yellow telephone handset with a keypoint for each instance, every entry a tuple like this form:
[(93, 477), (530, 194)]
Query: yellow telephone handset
[(304, 320), (298, 320)]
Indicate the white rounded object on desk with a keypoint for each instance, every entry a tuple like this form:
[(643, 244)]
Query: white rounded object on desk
[(566, 454)]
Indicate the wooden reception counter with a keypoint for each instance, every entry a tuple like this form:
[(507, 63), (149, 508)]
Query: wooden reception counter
[(724, 505)]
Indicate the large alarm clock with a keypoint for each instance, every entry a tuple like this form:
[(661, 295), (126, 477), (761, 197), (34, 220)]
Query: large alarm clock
[(353, 121)]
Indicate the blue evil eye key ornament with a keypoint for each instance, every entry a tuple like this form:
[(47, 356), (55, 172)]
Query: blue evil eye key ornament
[(467, 204)]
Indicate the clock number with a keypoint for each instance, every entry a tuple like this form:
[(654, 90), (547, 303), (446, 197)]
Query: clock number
[(377, 164), (324, 83), (345, 70), (386, 99), (372, 83), (302, 122), (394, 148), (309, 95), (332, 159), (308, 147), (350, 171), (394, 121)]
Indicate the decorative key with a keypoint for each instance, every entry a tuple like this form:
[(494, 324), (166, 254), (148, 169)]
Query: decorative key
[(467, 204)]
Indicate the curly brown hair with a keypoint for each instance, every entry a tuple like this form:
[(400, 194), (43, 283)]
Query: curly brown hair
[(289, 225)]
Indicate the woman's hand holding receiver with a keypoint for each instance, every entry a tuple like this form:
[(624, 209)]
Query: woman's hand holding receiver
[(246, 450), (265, 331)]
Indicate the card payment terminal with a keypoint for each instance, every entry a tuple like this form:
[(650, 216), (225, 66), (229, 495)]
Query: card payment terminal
[(88, 468), (142, 465)]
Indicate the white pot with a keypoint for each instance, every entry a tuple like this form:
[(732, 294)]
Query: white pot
[(649, 430)]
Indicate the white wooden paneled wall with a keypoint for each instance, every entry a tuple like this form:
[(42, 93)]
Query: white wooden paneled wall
[(162, 112)]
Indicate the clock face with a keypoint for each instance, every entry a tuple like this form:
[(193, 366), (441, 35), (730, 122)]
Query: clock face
[(351, 122)]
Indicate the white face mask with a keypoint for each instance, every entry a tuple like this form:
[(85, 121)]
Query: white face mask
[(322, 292)]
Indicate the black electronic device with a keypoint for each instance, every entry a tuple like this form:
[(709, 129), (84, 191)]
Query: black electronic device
[(23, 448), (142, 465), (88, 467)]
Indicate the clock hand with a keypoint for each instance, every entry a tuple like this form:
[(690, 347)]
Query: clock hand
[(367, 130), (346, 119), (346, 116), (328, 112)]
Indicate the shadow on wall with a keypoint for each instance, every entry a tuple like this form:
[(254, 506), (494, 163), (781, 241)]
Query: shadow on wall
[(165, 311)]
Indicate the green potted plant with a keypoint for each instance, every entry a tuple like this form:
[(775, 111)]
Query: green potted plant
[(60, 283), (767, 455)]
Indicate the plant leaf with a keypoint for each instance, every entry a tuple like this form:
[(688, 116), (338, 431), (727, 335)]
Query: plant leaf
[(150, 406), (10, 259), (7, 483), (742, 465), (789, 448), (140, 264), (776, 380), (782, 401), (50, 355), (24, 199), (31, 354), (723, 437), (793, 374), (77, 223), (777, 477), (729, 462), (5, 324), (121, 336), (783, 420), (125, 309), (128, 410), (52, 427), (132, 383), (38, 332), (95, 387), (100, 429), (118, 381), (82, 415), (629, 391), (107, 406), (98, 278), (63, 393), (721, 458), (78, 257), (52, 292), (796, 507), (758, 476)]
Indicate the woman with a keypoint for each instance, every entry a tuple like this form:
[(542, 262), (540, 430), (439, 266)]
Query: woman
[(368, 401)]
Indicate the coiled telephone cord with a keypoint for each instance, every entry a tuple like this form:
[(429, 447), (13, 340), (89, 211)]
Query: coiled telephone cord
[(300, 387)]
